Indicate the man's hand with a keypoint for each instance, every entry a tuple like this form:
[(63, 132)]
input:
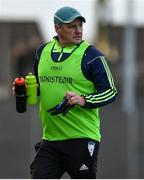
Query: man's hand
[(13, 88), (73, 99)]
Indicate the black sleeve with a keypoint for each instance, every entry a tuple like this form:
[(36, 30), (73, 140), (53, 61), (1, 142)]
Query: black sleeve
[(96, 69), (37, 58)]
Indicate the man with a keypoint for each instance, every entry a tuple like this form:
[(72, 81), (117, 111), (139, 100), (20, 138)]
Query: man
[(74, 82)]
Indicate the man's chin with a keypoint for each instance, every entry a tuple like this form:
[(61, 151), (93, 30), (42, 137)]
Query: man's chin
[(77, 41)]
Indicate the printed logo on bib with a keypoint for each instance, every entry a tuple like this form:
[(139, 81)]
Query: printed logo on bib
[(55, 79)]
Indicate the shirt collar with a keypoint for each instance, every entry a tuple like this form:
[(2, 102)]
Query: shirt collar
[(67, 48)]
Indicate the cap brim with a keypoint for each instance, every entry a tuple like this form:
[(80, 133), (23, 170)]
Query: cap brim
[(58, 20), (74, 18)]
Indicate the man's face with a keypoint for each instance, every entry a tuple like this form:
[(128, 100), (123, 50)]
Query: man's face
[(70, 33)]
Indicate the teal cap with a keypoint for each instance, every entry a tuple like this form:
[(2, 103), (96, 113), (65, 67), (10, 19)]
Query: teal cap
[(67, 15)]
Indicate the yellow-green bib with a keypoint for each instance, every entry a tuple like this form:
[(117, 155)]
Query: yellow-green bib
[(56, 78)]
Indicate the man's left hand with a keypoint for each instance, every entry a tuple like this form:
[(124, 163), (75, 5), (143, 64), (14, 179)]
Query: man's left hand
[(73, 99)]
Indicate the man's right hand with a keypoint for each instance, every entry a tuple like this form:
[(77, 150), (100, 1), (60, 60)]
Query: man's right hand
[(13, 88)]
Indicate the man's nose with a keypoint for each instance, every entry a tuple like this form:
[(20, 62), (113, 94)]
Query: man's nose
[(78, 29)]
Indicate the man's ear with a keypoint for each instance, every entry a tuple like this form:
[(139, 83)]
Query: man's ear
[(57, 28)]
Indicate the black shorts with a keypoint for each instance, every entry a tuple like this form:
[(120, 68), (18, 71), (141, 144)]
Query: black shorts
[(77, 157)]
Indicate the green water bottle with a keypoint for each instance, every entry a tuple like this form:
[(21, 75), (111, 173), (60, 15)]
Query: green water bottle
[(31, 89)]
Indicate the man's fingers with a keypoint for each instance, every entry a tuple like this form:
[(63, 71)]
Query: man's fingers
[(76, 100), (70, 94)]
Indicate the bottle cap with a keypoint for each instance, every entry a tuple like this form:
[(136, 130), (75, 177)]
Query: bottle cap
[(30, 78), (19, 80)]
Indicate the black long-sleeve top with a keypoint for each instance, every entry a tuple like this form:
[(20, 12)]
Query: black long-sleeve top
[(94, 68)]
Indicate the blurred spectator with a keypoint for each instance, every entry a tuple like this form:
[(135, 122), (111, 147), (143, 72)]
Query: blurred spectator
[(23, 56)]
